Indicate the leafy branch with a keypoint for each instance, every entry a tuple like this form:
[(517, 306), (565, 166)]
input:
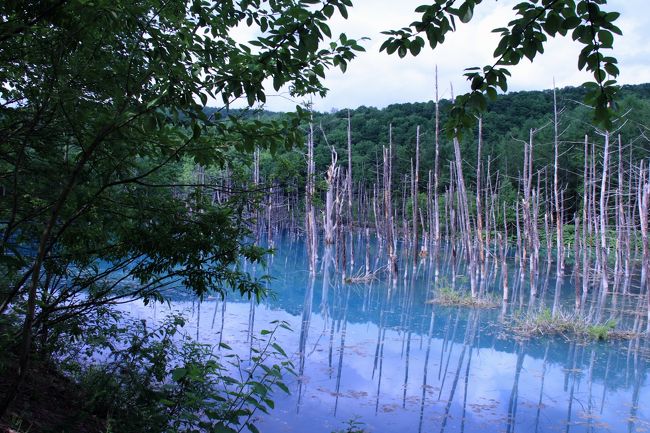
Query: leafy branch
[(523, 37)]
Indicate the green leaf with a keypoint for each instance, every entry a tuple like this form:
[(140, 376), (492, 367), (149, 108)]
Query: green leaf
[(342, 10), (491, 93), (222, 428), (611, 69), (324, 28), (606, 38), (571, 22), (178, 374), (552, 23), (279, 349), (283, 387), (582, 61), (477, 82), (502, 47), (328, 10), (465, 12)]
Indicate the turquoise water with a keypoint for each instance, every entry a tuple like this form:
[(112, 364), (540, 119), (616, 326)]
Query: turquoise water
[(380, 354)]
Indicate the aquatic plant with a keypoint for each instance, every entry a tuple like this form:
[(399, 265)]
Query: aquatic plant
[(568, 325), (449, 297)]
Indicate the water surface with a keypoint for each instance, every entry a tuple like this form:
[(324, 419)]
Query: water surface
[(379, 353)]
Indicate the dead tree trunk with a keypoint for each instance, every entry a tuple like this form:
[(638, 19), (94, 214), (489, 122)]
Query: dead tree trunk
[(556, 191), (504, 255), (585, 228), (576, 261), (388, 204), (310, 213), (349, 188), (604, 282), (465, 220), (479, 217), (415, 182), (328, 223), (643, 201), (436, 172)]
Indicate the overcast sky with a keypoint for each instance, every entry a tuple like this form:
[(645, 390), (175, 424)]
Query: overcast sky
[(377, 79)]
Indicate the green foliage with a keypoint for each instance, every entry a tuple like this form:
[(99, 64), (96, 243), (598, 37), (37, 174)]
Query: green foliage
[(449, 297), (602, 331), (92, 152), (160, 380), (523, 37), (102, 114), (569, 325), (506, 122), (352, 425)]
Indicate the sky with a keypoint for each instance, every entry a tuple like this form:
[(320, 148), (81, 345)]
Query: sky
[(377, 79)]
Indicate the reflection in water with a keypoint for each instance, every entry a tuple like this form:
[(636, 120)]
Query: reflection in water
[(541, 388), (380, 352), (469, 337), (343, 330), (304, 335), (423, 397), (514, 394)]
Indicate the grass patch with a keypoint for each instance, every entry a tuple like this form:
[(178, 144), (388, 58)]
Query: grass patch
[(568, 325), (448, 297)]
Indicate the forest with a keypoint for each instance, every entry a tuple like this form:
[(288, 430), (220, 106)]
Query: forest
[(529, 174), (507, 121)]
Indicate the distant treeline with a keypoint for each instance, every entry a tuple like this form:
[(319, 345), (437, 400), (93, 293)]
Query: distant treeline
[(506, 125)]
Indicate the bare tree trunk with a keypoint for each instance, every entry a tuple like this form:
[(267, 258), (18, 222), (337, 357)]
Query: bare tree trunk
[(479, 218), (585, 228), (388, 204), (594, 214), (332, 175), (429, 222), (340, 235), (436, 173), (504, 255), (643, 202), (628, 215), (604, 283), (375, 216), (556, 191), (349, 188), (576, 259), (415, 183), (310, 220), (527, 241), (465, 221)]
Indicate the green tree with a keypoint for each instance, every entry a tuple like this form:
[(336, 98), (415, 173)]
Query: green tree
[(100, 101), (523, 37)]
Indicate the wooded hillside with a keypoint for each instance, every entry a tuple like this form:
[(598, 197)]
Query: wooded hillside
[(506, 123)]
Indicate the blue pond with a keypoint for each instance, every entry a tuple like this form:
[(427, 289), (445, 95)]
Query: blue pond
[(378, 353)]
